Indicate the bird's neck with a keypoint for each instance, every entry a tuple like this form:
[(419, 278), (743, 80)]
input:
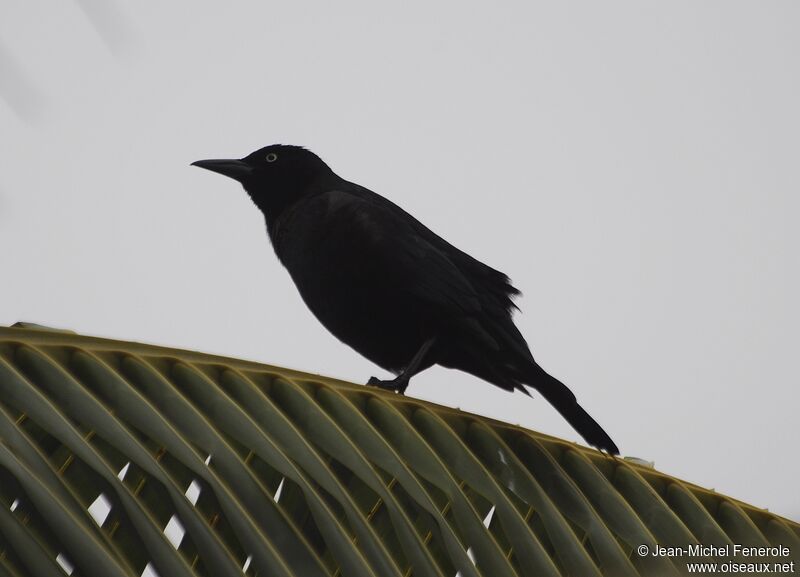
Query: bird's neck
[(276, 202)]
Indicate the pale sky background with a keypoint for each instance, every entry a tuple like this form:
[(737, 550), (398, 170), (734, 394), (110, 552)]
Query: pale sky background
[(633, 166)]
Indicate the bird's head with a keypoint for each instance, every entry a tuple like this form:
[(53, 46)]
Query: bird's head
[(275, 176)]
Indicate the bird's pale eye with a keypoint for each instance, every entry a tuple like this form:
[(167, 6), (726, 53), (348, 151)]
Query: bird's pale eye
[(272, 157)]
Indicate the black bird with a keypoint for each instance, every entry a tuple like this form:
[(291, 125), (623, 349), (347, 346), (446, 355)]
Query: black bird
[(389, 287)]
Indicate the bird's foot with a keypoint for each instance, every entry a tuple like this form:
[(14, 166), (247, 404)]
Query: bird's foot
[(397, 385)]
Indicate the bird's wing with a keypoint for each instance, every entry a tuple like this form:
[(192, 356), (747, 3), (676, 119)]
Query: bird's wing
[(407, 261), (489, 282)]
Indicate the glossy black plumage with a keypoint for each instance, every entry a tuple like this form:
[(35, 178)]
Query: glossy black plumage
[(389, 287)]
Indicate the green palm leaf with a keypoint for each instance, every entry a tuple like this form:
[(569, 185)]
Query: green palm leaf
[(122, 459)]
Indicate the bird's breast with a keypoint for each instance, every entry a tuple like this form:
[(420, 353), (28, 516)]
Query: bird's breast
[(350, 296)]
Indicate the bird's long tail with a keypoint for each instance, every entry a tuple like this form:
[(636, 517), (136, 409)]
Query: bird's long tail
[(565, 403)]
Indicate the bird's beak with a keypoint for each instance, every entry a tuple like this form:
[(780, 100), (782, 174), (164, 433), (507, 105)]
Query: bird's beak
[(235, 169)]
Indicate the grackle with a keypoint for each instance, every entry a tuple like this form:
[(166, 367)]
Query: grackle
[(388, 286)]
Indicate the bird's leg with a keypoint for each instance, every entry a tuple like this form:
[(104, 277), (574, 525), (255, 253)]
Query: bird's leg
[(400, 382)]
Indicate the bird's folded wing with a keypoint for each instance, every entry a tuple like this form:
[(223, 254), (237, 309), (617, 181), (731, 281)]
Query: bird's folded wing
[(493, 286), (406, 260)]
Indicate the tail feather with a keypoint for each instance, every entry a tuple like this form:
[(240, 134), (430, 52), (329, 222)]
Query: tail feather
[(564, 401)]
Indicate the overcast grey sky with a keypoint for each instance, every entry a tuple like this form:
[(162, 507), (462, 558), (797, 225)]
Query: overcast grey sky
[(633, 166)]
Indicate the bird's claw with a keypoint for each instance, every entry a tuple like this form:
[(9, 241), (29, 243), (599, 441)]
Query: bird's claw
[(396, 385)]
